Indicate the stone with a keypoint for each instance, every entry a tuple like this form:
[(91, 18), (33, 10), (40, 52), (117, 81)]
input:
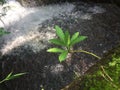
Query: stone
[(78, 83), (32, 3), (100, 22)]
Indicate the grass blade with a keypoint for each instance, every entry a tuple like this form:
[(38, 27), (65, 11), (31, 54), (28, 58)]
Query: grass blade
[(9, 75), (15, 76)]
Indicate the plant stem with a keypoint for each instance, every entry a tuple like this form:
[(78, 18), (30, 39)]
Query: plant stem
[(2, 81), (83, 51)]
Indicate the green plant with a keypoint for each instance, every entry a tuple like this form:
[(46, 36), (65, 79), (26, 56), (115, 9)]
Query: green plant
[(11, 76), (106, 77), (3, 32), (2, 1), (67, 42)]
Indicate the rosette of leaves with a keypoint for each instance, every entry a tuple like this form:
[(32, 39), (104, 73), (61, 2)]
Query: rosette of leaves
[(66, 41)]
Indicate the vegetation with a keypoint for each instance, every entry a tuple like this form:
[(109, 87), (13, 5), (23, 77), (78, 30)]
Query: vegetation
[(105, 75), (67, 42), (2, 1), (10, 76), (3, 32)]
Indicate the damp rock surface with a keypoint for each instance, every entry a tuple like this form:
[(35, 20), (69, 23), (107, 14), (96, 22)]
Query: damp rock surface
[(100, 22), (32, 3), (94, 79)]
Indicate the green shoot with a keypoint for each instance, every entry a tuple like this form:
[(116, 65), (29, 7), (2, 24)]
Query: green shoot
[(66, 41), (11, 76)]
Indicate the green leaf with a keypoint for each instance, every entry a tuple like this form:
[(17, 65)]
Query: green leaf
[(79, 39), (9, 75), (55, 50), (3, 32), (74, 36), (17, 75), (112, 63), (57, 42), (14, 76), (67, 38), (63, 56), (59, 33)]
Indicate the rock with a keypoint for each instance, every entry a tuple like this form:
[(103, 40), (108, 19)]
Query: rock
[(117, 2), (32, 3), (79, 83), (24, 50)]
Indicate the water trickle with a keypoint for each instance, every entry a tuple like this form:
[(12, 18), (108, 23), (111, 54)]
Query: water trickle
[(24, 22)]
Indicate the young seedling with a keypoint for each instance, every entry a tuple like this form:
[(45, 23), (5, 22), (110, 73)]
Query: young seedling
[(66, 41), (11, 76)]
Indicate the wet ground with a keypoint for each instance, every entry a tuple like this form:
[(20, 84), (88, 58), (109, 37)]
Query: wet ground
[(100, 22)]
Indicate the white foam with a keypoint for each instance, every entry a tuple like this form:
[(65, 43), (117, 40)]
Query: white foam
[(23, 23)]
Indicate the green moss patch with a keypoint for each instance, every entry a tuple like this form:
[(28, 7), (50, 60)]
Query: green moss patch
[(105, 75)]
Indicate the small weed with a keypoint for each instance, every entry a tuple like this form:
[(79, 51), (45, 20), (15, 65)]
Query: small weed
[(11, 76), (67, 42)]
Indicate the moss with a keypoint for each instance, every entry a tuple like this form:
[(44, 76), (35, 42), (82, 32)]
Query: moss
[(105, 75)]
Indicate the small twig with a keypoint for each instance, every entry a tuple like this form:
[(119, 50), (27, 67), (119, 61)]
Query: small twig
[(110, 80), (106, 73)]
